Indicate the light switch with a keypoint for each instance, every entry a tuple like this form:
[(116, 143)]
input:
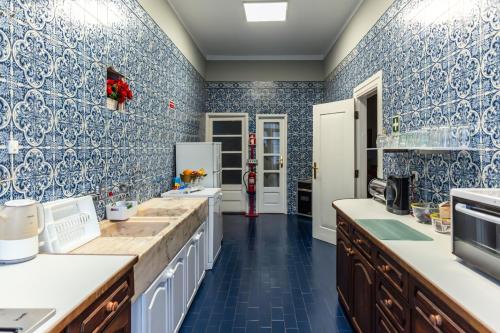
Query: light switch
[(13, 146)]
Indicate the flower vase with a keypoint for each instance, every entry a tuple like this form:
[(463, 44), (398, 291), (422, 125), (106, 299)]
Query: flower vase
[(111, 104)]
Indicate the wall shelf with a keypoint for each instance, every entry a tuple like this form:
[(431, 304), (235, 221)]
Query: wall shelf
[(431, 150)]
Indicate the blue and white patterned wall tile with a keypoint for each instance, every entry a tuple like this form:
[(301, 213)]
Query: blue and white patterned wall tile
[(53, 60), (440, 66)]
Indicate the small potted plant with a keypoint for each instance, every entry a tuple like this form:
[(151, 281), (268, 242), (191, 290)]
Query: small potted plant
[(118, 93)]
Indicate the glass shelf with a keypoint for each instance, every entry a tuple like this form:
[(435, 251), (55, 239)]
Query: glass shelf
[(431, 149)]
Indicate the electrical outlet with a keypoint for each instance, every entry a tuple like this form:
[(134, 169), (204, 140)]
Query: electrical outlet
[(13, 147)]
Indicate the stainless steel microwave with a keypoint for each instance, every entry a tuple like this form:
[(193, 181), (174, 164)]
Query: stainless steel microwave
[(476, 228)]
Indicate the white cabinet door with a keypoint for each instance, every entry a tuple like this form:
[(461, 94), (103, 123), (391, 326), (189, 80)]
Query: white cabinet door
[(201, 248), (191, 273), (156, 317), (177, 295)]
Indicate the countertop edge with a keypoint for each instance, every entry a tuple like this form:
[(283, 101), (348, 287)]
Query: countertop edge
[(453, 304), (95, 294)]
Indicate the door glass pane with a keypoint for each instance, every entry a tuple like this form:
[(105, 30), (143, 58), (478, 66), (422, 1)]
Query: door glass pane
[(271, 163), (272, 130), (229, 143), (271, 146), (231, 160), (271, 179), (225, 127), (231, 177)]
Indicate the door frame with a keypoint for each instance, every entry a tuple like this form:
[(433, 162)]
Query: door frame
[(209, 116), (260, 159), (371, 86)]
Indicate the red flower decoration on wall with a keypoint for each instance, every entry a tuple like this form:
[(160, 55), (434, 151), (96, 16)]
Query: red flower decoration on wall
[(118, 90)]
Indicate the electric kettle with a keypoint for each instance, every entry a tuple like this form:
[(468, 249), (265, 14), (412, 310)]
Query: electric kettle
[(21, 221)]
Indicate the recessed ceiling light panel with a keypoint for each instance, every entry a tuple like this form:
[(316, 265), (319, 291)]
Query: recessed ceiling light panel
[(265, 11)]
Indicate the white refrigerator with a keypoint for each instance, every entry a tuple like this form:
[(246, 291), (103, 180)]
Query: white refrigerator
[(196, 155)]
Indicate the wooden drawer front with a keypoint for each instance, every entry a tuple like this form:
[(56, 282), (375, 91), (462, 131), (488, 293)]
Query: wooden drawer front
[(437, 318), (342, 224), (382, 324), (362, 243), (393, 306), (393, 273), (105, 309)]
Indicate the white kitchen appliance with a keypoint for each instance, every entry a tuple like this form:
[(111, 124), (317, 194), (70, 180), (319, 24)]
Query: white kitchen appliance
[(69, 223), (197, 155), (475, 217), (21, 221), (215, 232)]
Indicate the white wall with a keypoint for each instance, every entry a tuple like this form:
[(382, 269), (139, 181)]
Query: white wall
[(366, 16), (260, 70), (165, 17)]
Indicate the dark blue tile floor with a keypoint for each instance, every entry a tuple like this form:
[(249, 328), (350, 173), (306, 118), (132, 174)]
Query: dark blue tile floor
[(271, 277)]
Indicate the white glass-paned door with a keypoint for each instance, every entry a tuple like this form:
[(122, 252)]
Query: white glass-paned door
[(271, 147), (231, 132)]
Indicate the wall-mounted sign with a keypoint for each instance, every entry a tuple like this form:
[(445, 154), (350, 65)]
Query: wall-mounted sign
[(395, 124)]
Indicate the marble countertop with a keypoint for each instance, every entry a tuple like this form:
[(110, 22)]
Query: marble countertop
[(434, 261), (156, 250), (62, 282)]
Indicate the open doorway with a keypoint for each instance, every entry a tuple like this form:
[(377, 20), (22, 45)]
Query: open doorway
[(371, 139), (369, 160)]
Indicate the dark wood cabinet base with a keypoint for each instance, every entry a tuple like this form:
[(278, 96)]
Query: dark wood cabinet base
[(381, 293)]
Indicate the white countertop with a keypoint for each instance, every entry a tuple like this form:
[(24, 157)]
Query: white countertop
[(433, 260), (56, 281)]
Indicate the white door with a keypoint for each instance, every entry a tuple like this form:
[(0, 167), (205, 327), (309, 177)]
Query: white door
[(157, 311), (201, 255), (333, 163), (191, 274), (231, 131), (177, 297), (271, 168)]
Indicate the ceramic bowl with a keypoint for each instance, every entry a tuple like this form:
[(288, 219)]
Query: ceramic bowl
[(422, 211)]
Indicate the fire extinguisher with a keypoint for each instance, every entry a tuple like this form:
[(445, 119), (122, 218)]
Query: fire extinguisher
[(250, 185), (251, 181)]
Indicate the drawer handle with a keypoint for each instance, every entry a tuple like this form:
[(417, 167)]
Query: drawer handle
[(111, 306), (388, 302), (358, 241), (385, 268), (436, 320)]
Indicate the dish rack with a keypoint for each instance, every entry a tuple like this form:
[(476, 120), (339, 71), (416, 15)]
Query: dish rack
[(69, 223)]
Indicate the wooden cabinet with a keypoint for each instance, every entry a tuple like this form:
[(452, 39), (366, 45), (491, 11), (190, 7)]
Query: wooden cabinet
[(363, 300), (431, 314), (344, 271), (177, 296), (121, 323), (380, 293), (110, 313)]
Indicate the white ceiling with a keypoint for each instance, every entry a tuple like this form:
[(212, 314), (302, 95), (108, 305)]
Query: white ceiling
[(220, 30)]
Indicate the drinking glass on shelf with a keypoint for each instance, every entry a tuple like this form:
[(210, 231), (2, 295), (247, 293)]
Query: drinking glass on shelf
[(381, 140), (444, 136), (463, 136), (423, 137), (434, 137)]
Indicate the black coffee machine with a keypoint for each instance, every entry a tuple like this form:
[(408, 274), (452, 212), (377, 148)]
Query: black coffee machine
[(397, 193)]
